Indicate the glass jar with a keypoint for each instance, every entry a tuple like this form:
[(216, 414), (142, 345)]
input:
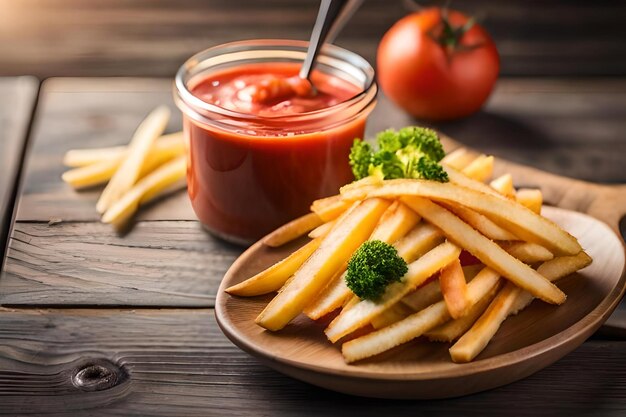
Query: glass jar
[(250, 173)]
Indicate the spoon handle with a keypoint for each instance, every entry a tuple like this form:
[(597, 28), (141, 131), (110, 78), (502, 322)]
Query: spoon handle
[(327, 20), (344, 16)]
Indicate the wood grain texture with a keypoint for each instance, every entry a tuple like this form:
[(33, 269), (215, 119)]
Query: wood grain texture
[(178, 363), (153, 37), (158, 263), (17, 99)]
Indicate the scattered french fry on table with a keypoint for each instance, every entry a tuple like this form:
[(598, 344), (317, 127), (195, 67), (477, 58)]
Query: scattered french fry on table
[(101, 170), (166, 178), (152, 165), (130, 168)]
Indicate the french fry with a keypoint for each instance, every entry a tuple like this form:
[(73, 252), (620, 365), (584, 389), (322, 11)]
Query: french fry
[(522, 222), (431, 293), (418, 241), (454, 289), (510, 300), (458, 159), (293, 230), (395, 313), (481, 223), (504, 185), (274, 277), (325, 202), (314, 274), (166, 178), (486, 250), (531, 198), (475, 340), (453, 329), (529, 253), (353, 301), (130, 168), (396, 224), (370, 181), (102, 171), (420, 270), (76, 158), (332, 211), (458, 178), (554, 270), (397, 220), (423, 296), (321, 230), (352, 191), (172, 143), (91, 175), (331, 298), (480, 169), (416, 324)]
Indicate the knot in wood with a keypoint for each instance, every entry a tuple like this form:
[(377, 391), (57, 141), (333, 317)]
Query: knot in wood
[(96, 376)]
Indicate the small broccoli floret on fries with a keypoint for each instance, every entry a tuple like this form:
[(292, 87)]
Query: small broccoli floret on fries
[(450, 254), (373, 266)]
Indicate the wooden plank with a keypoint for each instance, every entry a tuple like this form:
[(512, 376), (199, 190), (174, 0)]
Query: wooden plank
[(17, 100), (158, 263), (153, 37), (177, 362)]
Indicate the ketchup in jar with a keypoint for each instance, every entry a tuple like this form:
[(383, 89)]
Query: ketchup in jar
[(264, 144)]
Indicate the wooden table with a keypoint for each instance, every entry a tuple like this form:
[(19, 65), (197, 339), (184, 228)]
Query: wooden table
[(97, 323)]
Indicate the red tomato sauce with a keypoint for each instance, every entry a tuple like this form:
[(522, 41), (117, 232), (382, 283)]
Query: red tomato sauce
[(246, 181)]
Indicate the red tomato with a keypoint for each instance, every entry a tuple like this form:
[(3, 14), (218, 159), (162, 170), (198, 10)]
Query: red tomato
[(431, 71)]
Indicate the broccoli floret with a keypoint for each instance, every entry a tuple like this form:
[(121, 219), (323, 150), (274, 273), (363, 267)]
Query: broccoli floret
[(411, 152), (360, 158), (388, 163), (389, 140), (374, 265), (426, 168), (424, 140)]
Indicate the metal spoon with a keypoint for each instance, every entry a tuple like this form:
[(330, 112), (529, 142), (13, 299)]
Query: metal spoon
[(331, 17)]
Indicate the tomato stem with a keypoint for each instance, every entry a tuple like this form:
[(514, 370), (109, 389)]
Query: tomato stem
[(449, 36)]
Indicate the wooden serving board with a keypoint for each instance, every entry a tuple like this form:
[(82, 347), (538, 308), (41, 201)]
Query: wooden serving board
[(525, 343), (603, 202)]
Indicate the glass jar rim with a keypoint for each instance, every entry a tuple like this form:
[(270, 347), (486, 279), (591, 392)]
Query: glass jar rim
[(329, 54)]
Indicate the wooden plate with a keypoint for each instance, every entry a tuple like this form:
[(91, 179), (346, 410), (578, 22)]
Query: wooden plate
[(525, 343)]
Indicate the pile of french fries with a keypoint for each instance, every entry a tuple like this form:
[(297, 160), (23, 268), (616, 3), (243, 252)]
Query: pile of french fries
[(517, 255), (150, 166)]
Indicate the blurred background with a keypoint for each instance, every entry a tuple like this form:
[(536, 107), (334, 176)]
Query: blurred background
[(153, 37)]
